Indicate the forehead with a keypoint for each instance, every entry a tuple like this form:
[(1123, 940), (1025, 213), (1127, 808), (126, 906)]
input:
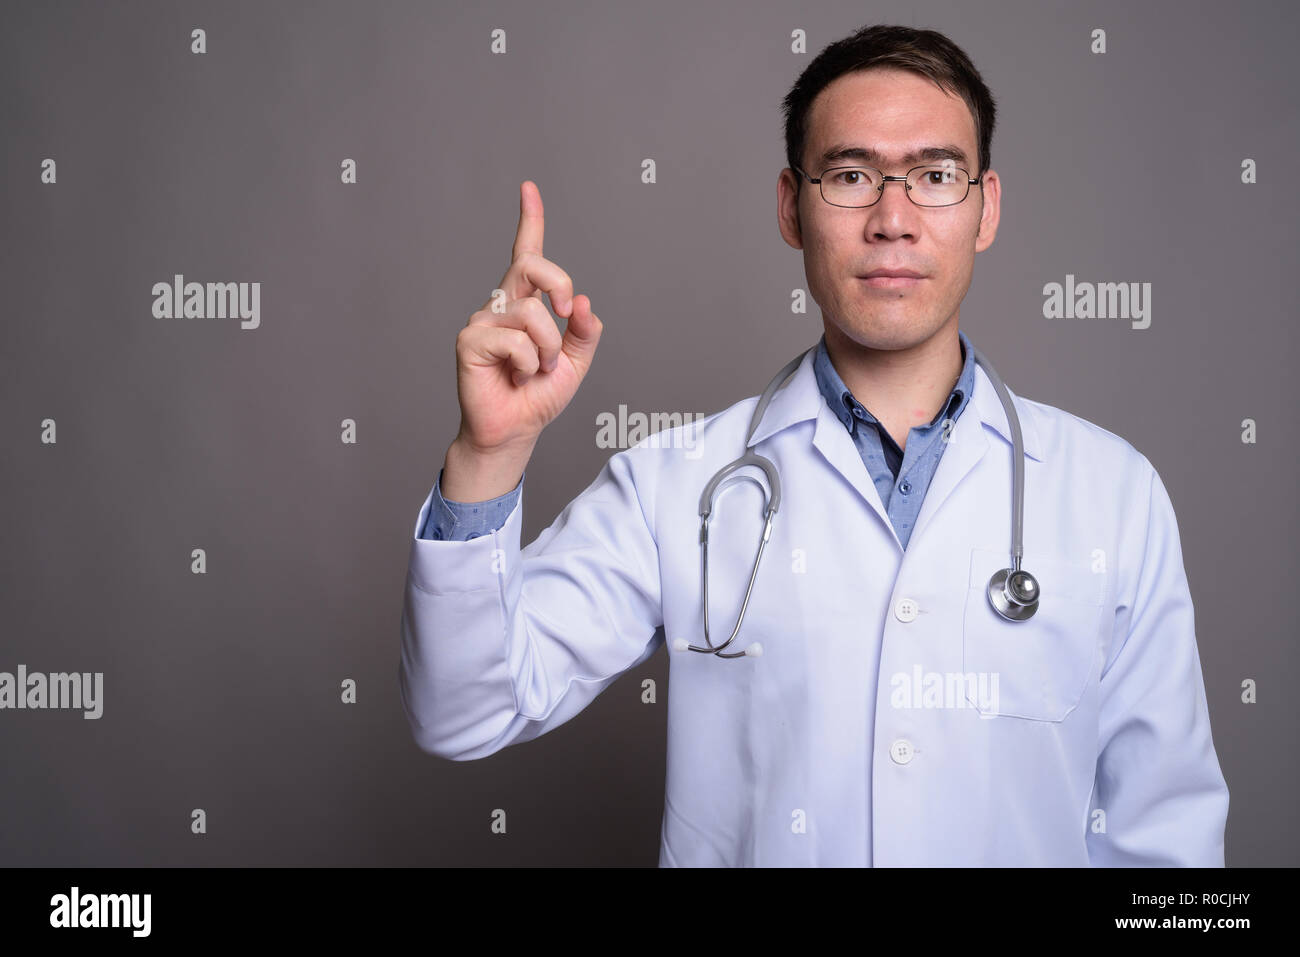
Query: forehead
[(893, 112)]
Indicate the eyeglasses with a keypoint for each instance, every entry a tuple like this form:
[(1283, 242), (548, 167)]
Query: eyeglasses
[(858, 186)]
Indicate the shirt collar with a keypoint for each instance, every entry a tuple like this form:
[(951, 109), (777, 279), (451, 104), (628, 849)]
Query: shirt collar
[(843, 404), (800, 401)]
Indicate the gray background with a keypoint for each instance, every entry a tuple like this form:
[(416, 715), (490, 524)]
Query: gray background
[(222, 690)]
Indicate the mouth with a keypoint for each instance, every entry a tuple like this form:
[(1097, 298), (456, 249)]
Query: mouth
[(891, 279)]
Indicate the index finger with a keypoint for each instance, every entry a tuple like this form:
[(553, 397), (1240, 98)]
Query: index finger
[(528, 236)]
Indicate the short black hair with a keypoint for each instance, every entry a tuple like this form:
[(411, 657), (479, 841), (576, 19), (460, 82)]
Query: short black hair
[(925, 52)]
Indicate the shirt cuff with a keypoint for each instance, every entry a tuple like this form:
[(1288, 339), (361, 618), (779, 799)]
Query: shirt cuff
[(460, 521)]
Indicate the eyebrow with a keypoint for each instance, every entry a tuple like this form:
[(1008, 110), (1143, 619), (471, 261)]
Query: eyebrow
[(866, 154)]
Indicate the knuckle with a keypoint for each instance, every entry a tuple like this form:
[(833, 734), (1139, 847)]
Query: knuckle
[(482, 317), (528, 306), (537, 314)]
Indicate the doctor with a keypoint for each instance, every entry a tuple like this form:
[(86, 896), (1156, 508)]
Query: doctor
[(894, 716)]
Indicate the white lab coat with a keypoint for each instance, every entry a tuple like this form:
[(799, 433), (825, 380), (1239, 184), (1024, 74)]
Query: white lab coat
[(1096, 748)]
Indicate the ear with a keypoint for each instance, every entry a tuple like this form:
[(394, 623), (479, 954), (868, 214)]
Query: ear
[(991, 212), (788, 190)]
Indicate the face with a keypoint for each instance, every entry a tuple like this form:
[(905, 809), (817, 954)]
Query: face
[(895, 113)]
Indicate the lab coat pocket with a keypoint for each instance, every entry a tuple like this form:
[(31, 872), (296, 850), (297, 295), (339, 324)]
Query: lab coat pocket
[(1036, 669)]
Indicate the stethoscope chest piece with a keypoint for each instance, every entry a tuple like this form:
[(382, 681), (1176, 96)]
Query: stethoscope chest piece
[(1014, 594)]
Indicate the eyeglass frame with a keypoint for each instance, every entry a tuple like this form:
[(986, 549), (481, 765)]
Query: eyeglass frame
[(885, 180)]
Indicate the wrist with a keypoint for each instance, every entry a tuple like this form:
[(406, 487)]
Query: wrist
[(477, 475)]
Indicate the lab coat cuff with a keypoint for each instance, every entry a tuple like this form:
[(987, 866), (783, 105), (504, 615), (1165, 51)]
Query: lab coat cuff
[(449, 567)]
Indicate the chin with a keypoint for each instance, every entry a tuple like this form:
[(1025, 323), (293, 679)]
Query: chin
[(888, 330)]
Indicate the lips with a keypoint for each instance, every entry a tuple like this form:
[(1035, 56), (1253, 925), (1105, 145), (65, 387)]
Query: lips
[(886, 273), (891, 278)]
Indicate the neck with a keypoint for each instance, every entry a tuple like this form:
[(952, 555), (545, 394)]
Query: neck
[(901, 387)]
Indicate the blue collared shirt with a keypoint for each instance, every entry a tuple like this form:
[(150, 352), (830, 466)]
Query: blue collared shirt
[(906, 472), (901, 476), (461, 521)]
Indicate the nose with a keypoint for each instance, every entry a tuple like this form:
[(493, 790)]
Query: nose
[(892, 217)]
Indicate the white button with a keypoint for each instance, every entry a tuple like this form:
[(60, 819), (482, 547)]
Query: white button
[(901, 751), (905, 610)]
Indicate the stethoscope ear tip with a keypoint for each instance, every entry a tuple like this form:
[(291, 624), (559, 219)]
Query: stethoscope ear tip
[(754, 650), (681, 644)]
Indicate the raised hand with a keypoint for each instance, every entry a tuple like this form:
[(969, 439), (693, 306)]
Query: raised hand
[(514, 371)]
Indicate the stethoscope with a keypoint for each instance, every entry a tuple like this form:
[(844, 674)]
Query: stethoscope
[(1013, 592)]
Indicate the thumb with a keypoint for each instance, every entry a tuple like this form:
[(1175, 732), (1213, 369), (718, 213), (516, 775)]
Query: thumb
[(581, 334)]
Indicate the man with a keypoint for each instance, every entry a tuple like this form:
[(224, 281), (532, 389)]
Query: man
[(893, 716)]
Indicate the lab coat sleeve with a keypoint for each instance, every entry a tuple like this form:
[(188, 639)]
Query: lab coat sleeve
[(500, 645), (1157, 776)]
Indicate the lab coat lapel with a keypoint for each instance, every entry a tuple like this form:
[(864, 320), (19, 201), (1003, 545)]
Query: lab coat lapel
[(800, 400), (969, 442), (966, 445), (835, 444)]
